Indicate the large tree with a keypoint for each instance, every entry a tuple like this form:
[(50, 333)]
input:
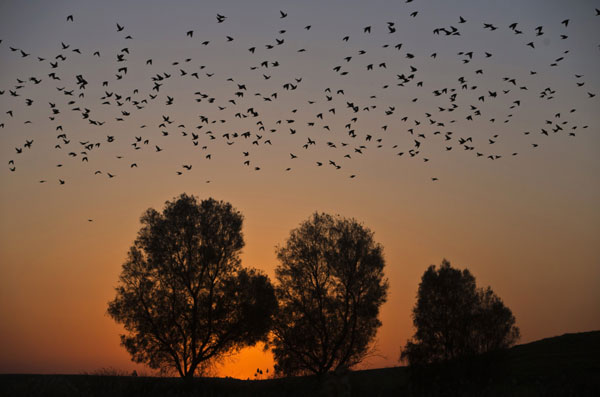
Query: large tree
[(331, 285), (183, 296), (455, 319)]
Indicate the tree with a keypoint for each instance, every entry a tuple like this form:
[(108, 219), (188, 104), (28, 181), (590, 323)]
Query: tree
[(183, 297), (455, 319), (331, 285)]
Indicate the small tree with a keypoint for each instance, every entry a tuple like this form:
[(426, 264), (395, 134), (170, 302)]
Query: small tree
[(331, 285), (182, 295), (454, 319)]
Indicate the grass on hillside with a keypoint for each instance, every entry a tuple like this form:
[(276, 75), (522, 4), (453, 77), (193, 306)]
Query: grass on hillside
[(567, 365)]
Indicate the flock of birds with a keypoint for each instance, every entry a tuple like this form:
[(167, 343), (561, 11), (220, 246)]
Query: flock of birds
[(462, 100)]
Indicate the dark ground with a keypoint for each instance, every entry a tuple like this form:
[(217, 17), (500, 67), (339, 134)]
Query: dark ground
[(567, 365)]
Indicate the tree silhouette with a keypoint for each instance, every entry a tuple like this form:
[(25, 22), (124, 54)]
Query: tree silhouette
[(183, 296), (455, 319), (331, 285)]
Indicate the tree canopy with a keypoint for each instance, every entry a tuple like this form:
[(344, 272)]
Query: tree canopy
[(331, 285), (182, 295), (453, 318)]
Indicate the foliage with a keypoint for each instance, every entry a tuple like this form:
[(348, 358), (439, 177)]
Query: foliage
[(453, 318), (183, 296), (331, 285)]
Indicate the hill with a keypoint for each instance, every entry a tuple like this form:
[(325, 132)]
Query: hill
[(567, 365)]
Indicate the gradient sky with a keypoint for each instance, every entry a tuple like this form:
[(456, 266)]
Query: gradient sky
[(528, 225)]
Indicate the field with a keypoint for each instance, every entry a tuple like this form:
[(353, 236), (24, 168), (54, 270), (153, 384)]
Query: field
[(567, 365)]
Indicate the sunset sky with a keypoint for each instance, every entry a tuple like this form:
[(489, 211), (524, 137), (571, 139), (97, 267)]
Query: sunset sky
[(526, 224)]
